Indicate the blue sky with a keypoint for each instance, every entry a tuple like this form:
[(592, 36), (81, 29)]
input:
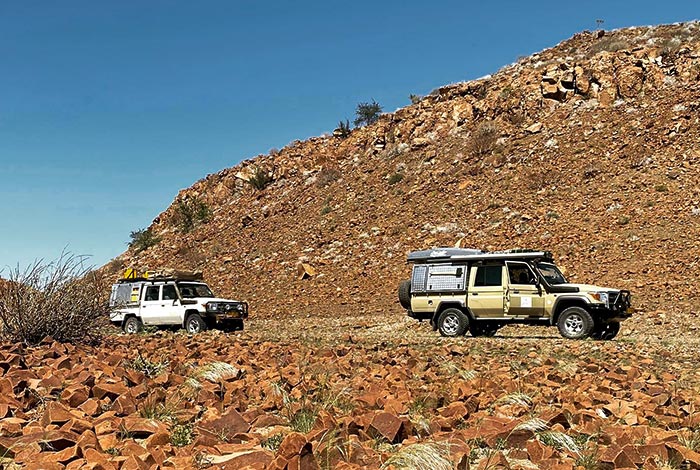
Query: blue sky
[(109, 108)]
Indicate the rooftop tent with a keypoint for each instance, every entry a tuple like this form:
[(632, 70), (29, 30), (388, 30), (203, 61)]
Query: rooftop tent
[(446, 255), (438, 254)]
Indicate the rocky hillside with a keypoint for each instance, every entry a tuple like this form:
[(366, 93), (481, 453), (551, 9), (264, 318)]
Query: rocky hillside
[(588, 149)]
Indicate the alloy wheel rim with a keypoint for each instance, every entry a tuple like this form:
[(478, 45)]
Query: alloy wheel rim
[(451, 325), (574, 324)]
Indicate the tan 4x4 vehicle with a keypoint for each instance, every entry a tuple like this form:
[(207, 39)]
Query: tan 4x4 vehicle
[(462, 290)]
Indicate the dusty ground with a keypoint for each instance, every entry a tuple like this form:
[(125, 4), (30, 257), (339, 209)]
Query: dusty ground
[(360, 391)]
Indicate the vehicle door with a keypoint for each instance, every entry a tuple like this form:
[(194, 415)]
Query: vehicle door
[(486, 291), (173, 310), (524, 297), (151, 305)]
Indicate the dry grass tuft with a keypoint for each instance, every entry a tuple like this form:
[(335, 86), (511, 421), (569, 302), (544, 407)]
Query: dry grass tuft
[(421, 456)]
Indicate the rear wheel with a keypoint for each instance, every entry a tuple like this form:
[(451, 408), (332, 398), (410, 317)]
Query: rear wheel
[(405, 294), (195, 324), (575, 323), (132, 325), (453, 322)]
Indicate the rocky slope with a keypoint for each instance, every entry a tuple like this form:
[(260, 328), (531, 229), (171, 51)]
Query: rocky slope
[(588, 149)]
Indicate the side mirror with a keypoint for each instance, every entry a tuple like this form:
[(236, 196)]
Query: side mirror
[(176, 302)]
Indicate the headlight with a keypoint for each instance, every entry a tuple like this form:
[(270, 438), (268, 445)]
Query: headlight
[(212, 306), (600, 296)]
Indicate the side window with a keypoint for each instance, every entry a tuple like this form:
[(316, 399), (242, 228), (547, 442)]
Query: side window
[(488, 276), (152, 293), (169, 292), (520, 273)]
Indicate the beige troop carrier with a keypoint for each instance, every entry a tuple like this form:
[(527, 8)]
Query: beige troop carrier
[(462, 290)]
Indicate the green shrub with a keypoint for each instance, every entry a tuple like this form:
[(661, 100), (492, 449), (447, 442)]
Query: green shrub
[(367, 113), (415, 99), (143, 239), (327, 176), (181, 435), (260, 179), (190, 212), (273, 442), (395, 178), (484, 139), (343, 130)]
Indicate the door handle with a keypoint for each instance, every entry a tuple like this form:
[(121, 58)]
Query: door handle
[(516, 292), (475, 293)]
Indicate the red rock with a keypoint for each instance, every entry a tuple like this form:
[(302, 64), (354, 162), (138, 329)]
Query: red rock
[(68, 454), (56, 413), (677, 451), (134, 463), (12, 426), (252, 458), (497, 461), (293, 444), (75, 395), (110, 390), (124, 405), (98, 460), (455, 410), (230, 423), (142, 427), (387, 425)]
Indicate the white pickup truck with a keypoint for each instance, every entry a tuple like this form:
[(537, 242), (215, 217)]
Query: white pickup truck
[(178, 300)]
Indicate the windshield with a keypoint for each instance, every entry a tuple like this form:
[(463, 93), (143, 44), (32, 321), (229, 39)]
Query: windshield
[(551, 274), (190, 291)]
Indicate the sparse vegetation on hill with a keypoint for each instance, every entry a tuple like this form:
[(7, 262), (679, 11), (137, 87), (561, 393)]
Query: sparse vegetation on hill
[(367, 113), (588, 153), (143, 239), (189, 213), (260, 178)]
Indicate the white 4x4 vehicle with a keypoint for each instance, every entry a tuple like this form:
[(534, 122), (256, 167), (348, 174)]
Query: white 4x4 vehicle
[(179, 300)]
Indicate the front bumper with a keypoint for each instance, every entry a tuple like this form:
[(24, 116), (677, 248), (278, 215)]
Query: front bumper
[(616, 309), (237, 311)]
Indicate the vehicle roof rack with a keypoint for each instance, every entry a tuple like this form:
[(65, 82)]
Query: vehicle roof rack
[(461, 254), (132, 275)]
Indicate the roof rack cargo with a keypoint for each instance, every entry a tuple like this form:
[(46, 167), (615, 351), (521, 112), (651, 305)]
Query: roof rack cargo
[(437, 255), (132, 275)]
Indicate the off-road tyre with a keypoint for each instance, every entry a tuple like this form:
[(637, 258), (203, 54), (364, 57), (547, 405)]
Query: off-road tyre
[(132, 325), (233, 325), (195, 324), (405, 294), (453, 322), (606, 331), (575, 323)]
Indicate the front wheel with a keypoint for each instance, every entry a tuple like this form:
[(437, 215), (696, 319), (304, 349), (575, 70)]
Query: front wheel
[(486, 330), (453, 322), (606, 331), (195, 324), (575, 323)]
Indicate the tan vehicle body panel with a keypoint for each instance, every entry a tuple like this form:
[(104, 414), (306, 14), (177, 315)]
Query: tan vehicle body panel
[(510, 300)]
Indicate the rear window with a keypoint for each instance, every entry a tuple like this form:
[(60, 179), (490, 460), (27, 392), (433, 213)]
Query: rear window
[(169, 292), (488, 276)]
